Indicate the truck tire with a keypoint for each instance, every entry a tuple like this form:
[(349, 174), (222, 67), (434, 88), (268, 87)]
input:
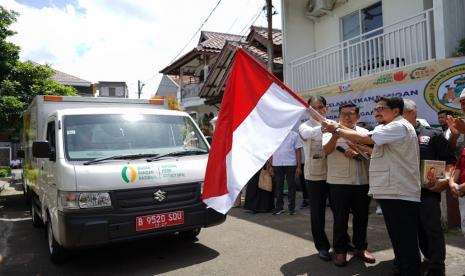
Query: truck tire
[(36, 219), (190, 234), (57, 252)]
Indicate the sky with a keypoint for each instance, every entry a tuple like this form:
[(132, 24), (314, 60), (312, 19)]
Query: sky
[(124, 40)]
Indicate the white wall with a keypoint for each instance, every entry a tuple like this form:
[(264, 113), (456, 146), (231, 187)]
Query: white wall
[(298, 29), (449, 26)]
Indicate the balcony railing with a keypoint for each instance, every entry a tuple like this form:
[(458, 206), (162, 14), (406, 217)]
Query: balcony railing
[(404, 43), (190, 90)]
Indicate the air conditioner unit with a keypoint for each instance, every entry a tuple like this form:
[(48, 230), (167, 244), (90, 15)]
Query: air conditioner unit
[(318, 8)]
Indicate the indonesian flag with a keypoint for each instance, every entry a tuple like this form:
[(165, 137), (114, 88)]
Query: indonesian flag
[(257, 113)]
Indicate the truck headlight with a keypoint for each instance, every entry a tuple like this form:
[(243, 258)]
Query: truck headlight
[(94, 200), (83, 200)]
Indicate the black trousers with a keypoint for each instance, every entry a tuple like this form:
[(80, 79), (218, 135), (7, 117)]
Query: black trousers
[(430, 235), (318, 194), (303, 185), (343, 199), (401, 218), (280, 173)]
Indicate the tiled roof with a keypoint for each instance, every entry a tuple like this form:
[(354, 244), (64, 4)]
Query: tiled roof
[(67, 79), (263, 33), (261, 54), (215, 40)]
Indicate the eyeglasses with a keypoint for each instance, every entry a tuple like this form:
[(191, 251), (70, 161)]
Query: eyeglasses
[(347, 114), (319, 107), (380, 108)]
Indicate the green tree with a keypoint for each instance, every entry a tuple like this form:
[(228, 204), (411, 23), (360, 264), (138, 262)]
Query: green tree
[(20, 81)]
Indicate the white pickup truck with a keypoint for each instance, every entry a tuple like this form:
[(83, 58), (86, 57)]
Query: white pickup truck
[(102, 170)]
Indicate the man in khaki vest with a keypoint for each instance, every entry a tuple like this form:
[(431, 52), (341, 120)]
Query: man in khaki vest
[(315, 177), (394, 176), (347, 178)]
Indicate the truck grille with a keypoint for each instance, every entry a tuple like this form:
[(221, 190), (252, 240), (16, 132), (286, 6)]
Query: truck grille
[(153, 198)]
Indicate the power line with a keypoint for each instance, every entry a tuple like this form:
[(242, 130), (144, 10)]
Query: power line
[(198, 30), (237, 17), (251, 22)]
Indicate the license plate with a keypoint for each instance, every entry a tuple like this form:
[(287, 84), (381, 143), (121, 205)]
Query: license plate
[(159, 220)]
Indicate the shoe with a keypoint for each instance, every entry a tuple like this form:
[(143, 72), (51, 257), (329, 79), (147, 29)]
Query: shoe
[(365, 255), (350, 247), (324, 255), (291, 212), (340, 260), (304, 204), (379, 211), (278, 212)]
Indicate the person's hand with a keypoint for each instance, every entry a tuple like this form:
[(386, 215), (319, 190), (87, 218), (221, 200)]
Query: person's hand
[(298, 171), (455, 190), (329, 126), (456, 125), (461, 190), (349, 153)]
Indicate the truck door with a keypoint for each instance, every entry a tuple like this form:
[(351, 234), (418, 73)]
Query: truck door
[(49, 166)]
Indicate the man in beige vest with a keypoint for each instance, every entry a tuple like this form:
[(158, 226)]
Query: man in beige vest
[(394, 176), (315, 177), (347, 178)]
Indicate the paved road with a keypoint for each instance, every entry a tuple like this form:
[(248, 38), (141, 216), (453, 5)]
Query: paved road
[(245, 244)]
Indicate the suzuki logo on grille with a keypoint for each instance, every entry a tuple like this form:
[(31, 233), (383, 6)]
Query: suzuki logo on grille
[(159, 195)]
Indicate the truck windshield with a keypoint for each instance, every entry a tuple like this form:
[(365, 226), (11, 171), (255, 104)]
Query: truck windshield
[(88, 137)]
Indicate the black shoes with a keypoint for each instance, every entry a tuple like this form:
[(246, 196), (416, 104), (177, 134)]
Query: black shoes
[(324, 255), (291, 212)]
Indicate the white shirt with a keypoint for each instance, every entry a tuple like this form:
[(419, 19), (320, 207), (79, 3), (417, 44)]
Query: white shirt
[(285, 154), (392, 133)]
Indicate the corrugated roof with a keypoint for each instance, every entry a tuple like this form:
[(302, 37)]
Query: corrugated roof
[(67, 79)]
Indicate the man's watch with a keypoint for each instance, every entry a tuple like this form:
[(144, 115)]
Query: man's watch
[(337, 130)]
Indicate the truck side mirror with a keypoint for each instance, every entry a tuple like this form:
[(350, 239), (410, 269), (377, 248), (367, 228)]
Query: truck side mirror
[(20, 154), (41, 149)]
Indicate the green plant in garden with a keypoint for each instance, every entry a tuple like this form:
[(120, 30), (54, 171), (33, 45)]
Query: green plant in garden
[(5, 171)]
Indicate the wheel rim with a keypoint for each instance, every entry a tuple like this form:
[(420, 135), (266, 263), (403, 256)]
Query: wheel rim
[(50, 237)]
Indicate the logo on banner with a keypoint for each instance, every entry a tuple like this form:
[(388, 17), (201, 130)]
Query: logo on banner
[(421, 72), (444, 87), (347, 87)]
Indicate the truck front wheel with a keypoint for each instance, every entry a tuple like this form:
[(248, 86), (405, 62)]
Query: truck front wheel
[(57, 252)]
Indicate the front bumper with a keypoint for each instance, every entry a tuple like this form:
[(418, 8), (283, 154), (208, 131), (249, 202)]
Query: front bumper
[(78, 229)]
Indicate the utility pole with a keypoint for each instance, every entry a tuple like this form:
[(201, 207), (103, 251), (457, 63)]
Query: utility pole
[(269, 18), (140, 85)]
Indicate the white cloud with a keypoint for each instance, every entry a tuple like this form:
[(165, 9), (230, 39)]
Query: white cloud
[(123, 40)]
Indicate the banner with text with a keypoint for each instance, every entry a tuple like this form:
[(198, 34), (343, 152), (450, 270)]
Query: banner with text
[(433, 86)]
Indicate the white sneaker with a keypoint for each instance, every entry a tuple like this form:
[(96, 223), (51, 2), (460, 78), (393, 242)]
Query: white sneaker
[(379, 211)]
